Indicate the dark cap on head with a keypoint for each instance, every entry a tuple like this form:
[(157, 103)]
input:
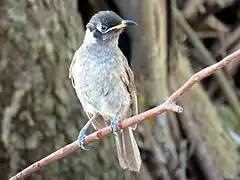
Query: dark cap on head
[(106, 18), (107, 25)]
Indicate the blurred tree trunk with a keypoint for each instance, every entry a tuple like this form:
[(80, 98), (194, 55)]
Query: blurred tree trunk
[(39, 109)]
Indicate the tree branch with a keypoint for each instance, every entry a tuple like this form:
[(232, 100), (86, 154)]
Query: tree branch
[(168, 105), (223, 82)]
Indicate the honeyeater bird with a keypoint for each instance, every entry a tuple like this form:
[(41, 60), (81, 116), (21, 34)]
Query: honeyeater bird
[(104, 84)]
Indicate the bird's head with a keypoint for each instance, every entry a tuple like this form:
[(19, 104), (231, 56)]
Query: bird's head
[(107, 25)]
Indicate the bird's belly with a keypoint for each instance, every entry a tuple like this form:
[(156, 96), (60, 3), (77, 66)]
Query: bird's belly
[(102, 91)]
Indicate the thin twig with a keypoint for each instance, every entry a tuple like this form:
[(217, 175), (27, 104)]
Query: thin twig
[(168, 105), (208, 59)]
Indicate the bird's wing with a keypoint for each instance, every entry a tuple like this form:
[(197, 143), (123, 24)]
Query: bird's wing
[(71, 69), (128, 79), (98, 122)]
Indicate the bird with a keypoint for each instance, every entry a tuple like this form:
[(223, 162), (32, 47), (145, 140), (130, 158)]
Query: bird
[(104, 84)]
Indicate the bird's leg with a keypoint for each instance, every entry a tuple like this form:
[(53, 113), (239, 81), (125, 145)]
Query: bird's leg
[(82, 133), (114, 123)]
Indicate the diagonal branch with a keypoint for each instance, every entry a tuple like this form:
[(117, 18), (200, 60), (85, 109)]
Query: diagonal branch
[(223, 82), (168, 105)]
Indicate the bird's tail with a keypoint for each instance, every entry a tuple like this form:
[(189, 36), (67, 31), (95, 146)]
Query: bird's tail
[(127, 150)]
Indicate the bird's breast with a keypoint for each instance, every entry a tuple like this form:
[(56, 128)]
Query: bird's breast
[(98, 83), (96, 64)]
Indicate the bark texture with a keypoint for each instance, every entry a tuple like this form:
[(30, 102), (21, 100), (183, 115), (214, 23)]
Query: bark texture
[(39, 109)]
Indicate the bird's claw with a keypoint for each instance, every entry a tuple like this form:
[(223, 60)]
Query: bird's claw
[(114, 124), (81, 139)]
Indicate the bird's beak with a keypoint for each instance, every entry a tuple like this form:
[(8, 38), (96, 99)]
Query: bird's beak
[(123, 24)]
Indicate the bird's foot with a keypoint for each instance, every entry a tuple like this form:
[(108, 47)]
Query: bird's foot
[(114, 124), (81, 139)]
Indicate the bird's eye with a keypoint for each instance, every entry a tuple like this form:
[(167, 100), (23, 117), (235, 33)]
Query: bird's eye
[(102, 28)]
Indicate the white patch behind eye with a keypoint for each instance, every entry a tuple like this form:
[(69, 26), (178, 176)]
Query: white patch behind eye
[(89, 37)]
